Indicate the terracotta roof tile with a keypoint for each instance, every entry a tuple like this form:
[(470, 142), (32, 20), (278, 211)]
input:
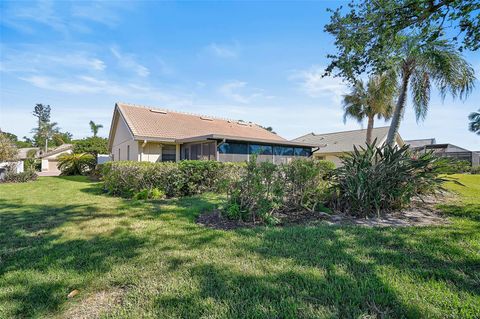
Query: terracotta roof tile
[(162, 123)]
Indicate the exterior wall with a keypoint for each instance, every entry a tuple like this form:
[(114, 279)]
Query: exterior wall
[(124, 147), (49, 163), (332, 157)]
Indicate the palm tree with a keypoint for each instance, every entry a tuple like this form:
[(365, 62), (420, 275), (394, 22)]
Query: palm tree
[(95, 127), (76, 164), (376, 99), (474, 124), (421, 64)]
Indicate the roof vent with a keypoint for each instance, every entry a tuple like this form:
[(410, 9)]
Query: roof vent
[(206, 118), (158, 111), (242, 123)]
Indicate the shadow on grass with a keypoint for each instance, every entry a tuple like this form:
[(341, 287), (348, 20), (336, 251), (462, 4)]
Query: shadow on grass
[(39, 267)]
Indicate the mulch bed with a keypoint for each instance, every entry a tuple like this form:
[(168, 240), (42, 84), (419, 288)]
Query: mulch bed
[(419, 214)]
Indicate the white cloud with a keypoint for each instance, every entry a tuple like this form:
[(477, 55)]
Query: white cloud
[(84, 84), (239, 92), (128, 62), (223, 50), (312, 82)]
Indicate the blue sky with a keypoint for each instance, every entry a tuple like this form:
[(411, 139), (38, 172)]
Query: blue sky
[(256, 61)]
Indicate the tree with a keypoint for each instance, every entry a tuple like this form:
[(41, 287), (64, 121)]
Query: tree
[(8, 150), (418, 66), (366, 34), (45, 132), (42, 112), (376, 98), (60, 138), (474, 124), (95, 127), (91, 145), (15, 140)]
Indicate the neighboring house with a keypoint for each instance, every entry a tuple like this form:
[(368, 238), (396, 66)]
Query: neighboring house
[(50, 159), (139, 133), (333, 145), (23, 152), (445, 150)]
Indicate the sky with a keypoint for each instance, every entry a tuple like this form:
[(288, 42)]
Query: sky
[(254, 61)]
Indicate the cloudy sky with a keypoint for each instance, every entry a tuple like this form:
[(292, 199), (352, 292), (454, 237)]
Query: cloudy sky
[(255, 61)]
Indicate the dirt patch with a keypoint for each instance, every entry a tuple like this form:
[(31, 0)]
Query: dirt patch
[(420, 213), (94, 305)]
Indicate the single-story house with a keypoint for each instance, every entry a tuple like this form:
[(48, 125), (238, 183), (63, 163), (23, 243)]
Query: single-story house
[(333, 145), (445, 150), (50, 159), (140, 133)]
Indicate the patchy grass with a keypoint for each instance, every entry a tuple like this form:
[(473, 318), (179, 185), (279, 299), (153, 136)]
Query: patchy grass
[(150, 259)]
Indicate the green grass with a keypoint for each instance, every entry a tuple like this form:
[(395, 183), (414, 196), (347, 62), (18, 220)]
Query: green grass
[(59, 234)]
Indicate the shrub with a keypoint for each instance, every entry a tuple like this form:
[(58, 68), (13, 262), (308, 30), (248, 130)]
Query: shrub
[(153, 193), (126, 178), (475, 170), (446, 165), (76, 164), (265, 189), (376, 180), (306, 183), (13, 177)]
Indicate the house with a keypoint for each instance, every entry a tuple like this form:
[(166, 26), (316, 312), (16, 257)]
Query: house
[(50, 159), (333, 145), (140, 133), (445, 150)]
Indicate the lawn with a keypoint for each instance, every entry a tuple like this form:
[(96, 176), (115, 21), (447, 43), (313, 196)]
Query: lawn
[(150, 259)]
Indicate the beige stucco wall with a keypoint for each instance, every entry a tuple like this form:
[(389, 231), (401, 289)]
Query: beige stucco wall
[(47, 161), (124, 147)]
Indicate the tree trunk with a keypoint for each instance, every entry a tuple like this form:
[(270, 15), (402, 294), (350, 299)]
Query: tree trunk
[(371, 119), (399, 108), (46, 145)]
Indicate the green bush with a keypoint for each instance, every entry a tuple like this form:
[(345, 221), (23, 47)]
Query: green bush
[(76, 164), (475, 170), (446, 165), (376, 180), (13, 177), (126, 178), (265, 189), (153, 193)]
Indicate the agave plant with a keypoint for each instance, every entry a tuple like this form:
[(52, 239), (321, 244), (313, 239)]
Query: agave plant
[(377, 180), (76, 164)]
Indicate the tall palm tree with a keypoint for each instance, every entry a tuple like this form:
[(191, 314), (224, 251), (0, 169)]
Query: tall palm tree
[(419, 65), (376, 98), (95, 127), (474, 124)]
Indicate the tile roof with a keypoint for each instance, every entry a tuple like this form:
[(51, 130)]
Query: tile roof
[(148, 122), (421, 142), (61, 148), (343, 141)]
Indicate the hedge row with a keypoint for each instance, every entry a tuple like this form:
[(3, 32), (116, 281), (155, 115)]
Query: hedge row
[(128, 178)]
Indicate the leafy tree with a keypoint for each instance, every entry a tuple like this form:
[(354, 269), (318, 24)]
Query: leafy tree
[(45, 132), (8, 150), (76, 164), (60, 138), (376, 98), (419, 66), (95, 127), (474, 124), (366, 33), (92, 145)]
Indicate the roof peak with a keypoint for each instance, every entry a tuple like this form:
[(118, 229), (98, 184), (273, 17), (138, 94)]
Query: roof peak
[(363, 129), (202, 116)]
